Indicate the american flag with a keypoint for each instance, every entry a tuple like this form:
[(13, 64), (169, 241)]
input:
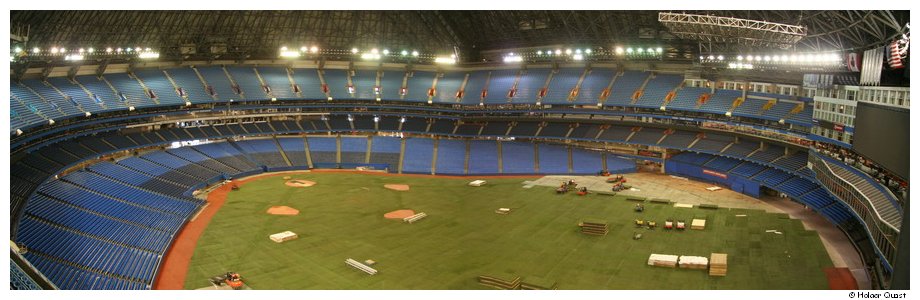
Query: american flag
[(894, 60)]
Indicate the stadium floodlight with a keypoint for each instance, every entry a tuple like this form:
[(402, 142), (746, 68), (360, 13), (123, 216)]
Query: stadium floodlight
[(386, 52), (766, 58), (303, 49), (375, 51), (54, 50), (577, 51), (539, 52), (149, 55), (128, 50), (577, 57), (811, 58), (618, 50), (720, 58), (36, 50), (444, 60), (650, 50), (90, 50), (63, 50), (511, 58), (284, 48), (658, 49), (404, 53), (629, 50), (376, 119), (108, 50), (415, 53), (568, 51), (558, 51), (351, 118), (784, 58), (739, 57), (118, 50), (354, 50), (702, 58), (314, 49), (587, 51), (640, 50), (402, 119), (74, 57), (758, 58), (147, 49), (370, 56), (81, 50), (750, 57), (289, 54)]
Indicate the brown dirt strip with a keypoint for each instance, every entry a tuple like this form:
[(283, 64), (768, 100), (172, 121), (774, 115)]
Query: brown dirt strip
[(426, 175), (840, 279), (175, 264), (283, 211), (399, 214)]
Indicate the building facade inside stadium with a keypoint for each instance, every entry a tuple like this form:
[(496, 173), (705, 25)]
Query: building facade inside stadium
[(107, 159)]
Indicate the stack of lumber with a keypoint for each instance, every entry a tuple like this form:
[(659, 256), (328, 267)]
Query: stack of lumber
[(698, 224), (283, 236), (357, 265), (538, 283), (693, 262), (503, 281), (662, 260), (411, 219), (718, 264), (594, 227)]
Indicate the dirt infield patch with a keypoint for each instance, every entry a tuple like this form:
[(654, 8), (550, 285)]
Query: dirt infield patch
[(399, 214), (840, 279), (397, 187), (299, 183), (283, 210)]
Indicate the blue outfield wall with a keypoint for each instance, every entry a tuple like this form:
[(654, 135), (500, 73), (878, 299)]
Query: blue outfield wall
[(737, 183)]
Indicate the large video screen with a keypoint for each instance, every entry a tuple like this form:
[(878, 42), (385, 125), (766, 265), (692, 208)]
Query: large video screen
[(882, 134)]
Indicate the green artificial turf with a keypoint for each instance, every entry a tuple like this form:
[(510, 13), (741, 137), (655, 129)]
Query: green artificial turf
[(342, 217)]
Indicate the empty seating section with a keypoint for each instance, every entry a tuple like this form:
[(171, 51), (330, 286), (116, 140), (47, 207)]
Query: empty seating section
[(712, 142), (469, 129), (555, 129), (245, 78), (418, 154), (720, 102), (616, 133), (528, 87), (679, 139), (139, 179), (55, 101), (337, 80), (194, 89), (363, 122), (388, 123), (277, 80), (69, 277), (391, 83), (354, 149), (618, 165), (687, 98), (751, 107), (442, 126), (174, 162), (742, 148), (364, 82), (792, 162), (76, 93), (768, 154), (623, 88), (772, 177), (483, 157), (796, 187), (722, 164), (564, 80), (747, 169), (417, 86), (593, 85), (217, 79), (657, 89), (693, 158), (295, 150), (584, 131), (130, 89), (525, 129), (385, 150), (500, 82), (647, 136), (190, 154), (339, 123), (122, 191), (447, 87), (474, 86), (883, 202), (517, 158), (308, 81), (495, 128), (415, 125), (553, 159), (322, 149), (156, 81), (586, 162), (264, 151), (451, 157), (228, 155), (779, 110)]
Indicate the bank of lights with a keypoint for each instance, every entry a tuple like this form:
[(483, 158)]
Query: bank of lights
[(788, 59), (444, 60)]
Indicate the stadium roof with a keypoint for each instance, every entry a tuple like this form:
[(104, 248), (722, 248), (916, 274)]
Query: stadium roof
[(259, 34)]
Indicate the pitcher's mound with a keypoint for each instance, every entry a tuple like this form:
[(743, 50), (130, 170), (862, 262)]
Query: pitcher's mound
[(299, 183), (397, 187), (283, 210), (399, 214)]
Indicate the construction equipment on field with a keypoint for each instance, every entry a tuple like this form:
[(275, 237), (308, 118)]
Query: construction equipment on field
[(231, 279)]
